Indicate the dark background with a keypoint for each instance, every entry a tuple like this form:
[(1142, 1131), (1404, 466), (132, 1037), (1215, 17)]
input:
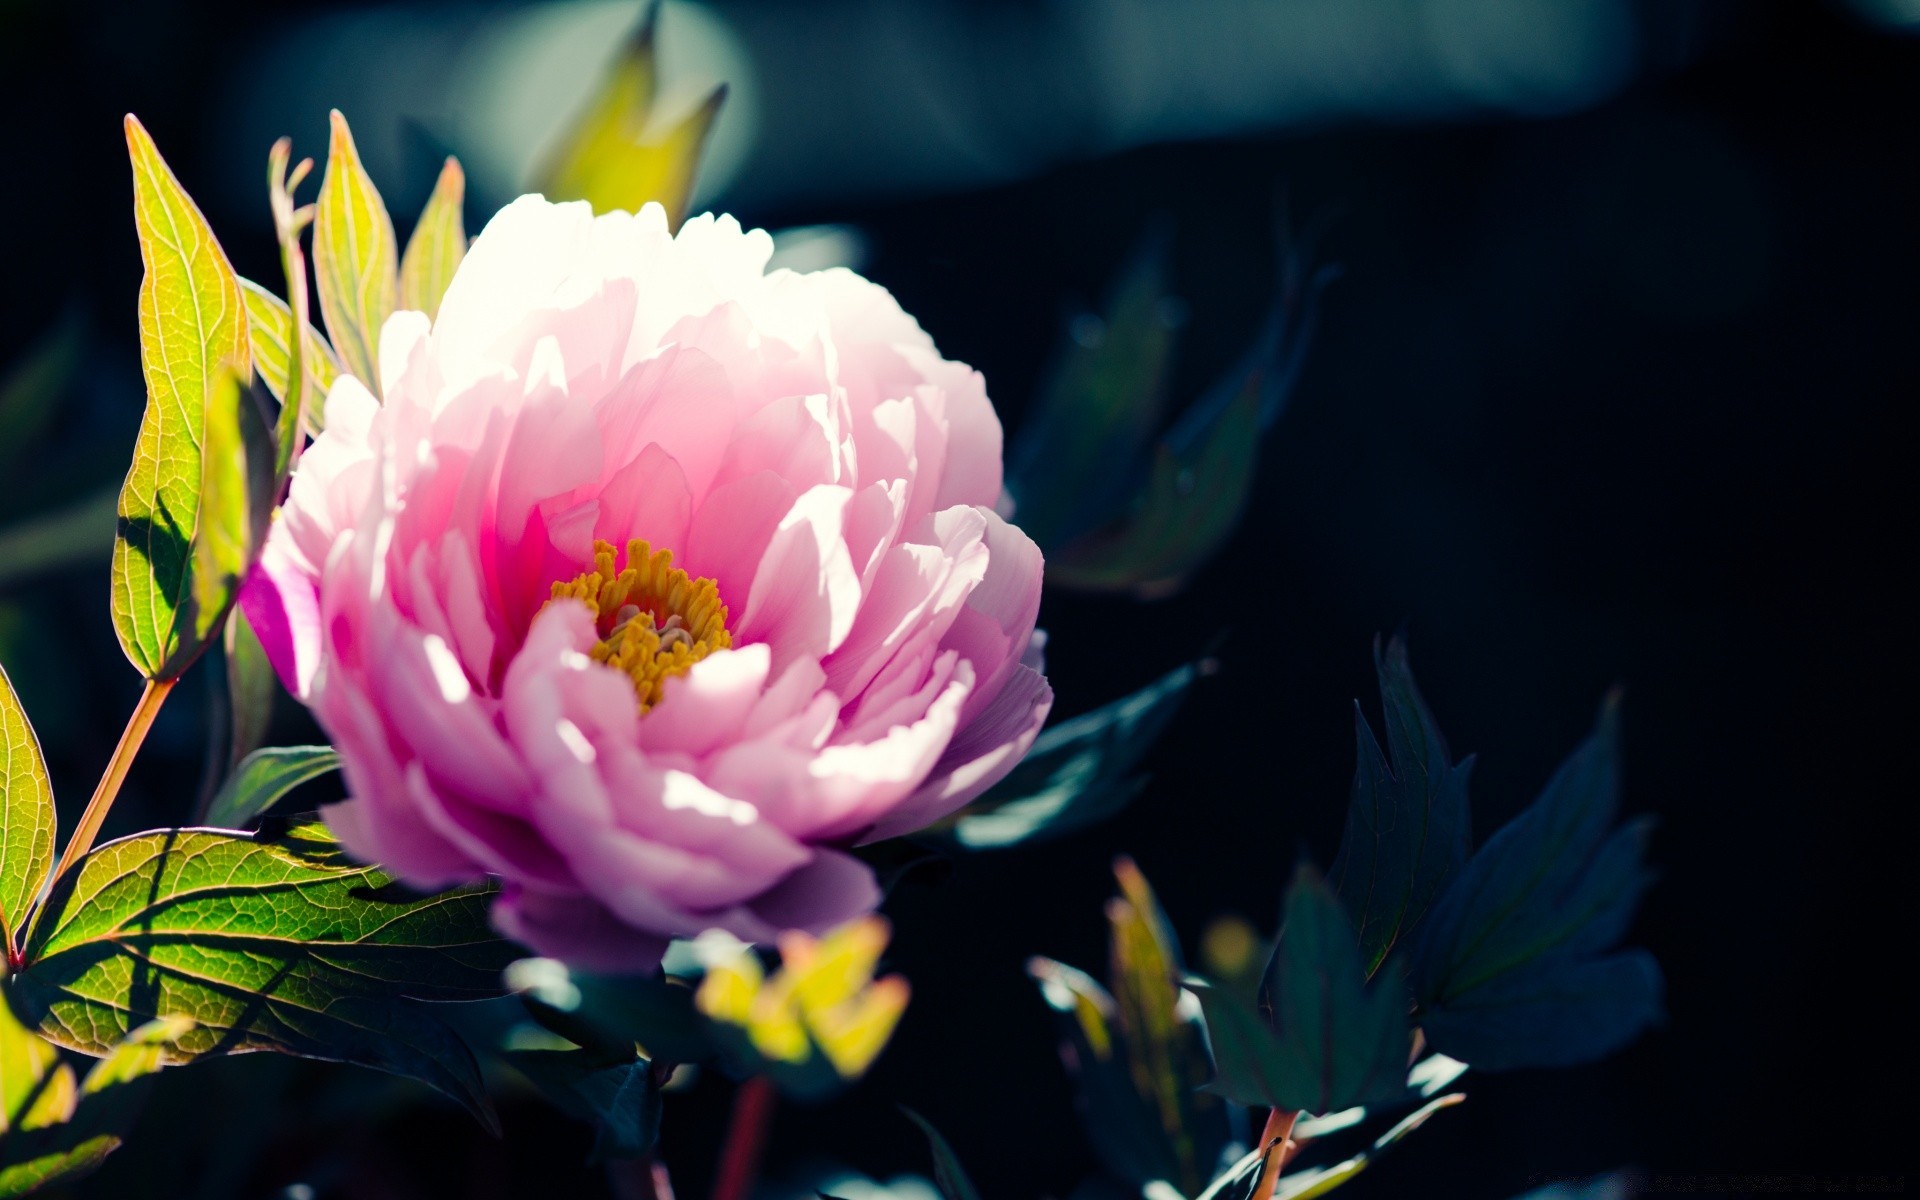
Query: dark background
[(1612, 397)]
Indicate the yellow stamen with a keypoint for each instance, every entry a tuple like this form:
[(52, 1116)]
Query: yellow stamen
[(654, 620)]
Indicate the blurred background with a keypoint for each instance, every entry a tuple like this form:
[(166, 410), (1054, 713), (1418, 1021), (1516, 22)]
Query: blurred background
[(1609, 391)]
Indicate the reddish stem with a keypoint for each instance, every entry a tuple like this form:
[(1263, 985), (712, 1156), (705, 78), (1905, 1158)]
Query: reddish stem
[(1279, 1128), (746, 1138)]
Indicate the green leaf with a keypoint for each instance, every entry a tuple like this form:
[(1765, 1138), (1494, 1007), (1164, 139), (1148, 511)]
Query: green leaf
[(1320, 1040), (54, 1132), (236, 497), (27, 816), (252, 688), (354, 258), (614, 156), (192, 330), (948, 1175), (1510, 969), (1074, 463), (270, 324), (263, 778), (1078, 772), (1407, 825), (1190, 504), (619, 1095), (267, 943), (438, 244)]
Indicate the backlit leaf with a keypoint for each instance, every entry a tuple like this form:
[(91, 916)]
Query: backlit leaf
[(438, 244), (1407, 825), (1512, 967), (26, 816), (236, 474), (616, 154), (1319, 1040), (266, 943), (1078, 772), (192, 330), (263, 778), (268, 324), (252, 688), (355, 260)]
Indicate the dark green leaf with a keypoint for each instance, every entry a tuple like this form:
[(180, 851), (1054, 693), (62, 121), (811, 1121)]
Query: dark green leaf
[(1407, 825), (26, 815), (30, 389), (264, 778), (948, 1175), (1078, 772), (1320, 1040), (1075, 460), (1509, 969), (252, 688), (618, 1095), (266, 943), (609, 1013)]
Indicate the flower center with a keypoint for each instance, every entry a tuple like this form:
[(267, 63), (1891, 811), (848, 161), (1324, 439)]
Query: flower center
[(654, 620)]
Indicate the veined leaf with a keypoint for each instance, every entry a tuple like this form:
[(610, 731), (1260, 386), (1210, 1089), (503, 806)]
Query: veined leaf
[(438, 244), (354, 258), (1078, 772), (615, 155), (948, 1175), (1320, 1040), (269, 323), (263, 778), (1510, 969), (26, 817), (1407, 825), (54, 1131), (192, 328), (266, 943), (236, 499)]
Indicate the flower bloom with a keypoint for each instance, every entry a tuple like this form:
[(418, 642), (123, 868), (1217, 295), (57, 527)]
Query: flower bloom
[(655, 583)]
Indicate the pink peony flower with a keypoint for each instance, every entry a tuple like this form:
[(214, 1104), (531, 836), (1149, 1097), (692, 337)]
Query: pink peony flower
[(655, 583)]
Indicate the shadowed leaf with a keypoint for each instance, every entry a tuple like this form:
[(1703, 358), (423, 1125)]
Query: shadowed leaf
[(192, 332), (948, 1175), (616, 154), (618, 1095), (1510, 969), (252, 688), (263, 778), (1407, 825), (1319, 1039), (438, 244), (1077, 773), (355, 260), (266, 943), (26, 815)]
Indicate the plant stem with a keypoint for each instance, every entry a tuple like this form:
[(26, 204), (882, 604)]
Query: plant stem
[(135, 733), (1279, 1129), (746, 1138)]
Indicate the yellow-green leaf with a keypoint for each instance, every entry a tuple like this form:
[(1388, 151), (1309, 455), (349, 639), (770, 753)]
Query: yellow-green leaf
[(268, 323), (614, 155), (192, 327), (354, 260), (26, 814), (236, 463), (438, 244), (25, 1060)]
